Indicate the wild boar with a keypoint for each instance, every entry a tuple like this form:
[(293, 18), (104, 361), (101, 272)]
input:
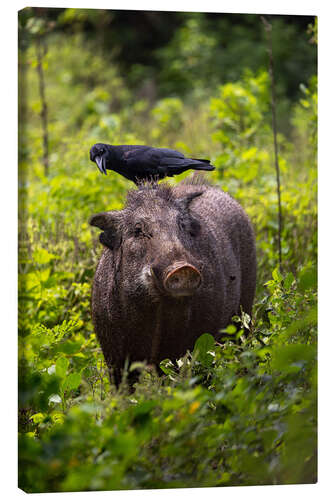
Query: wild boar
[(178, 262)]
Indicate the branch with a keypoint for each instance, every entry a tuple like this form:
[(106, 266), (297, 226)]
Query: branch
[(41, 51), (268, 29)]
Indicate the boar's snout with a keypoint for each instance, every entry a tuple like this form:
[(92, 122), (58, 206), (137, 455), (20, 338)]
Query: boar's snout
[(180, 279)]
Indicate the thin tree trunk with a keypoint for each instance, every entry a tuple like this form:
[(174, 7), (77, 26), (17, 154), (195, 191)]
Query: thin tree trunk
[(41, 50), (268, 28), (22, 115)]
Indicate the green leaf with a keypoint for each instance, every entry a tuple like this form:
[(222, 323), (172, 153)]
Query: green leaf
[(37, 418), (42, 256), (307, 279), (167, 367), (291, 358), (61, 366), (230, 330), (71, 382), (310, 319), (277, 276), (287, 282), (137, 365), (202, 347), (142, 413), (69, 347)]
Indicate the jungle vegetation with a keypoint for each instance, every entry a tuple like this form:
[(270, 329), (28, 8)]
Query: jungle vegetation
[(242, 411)]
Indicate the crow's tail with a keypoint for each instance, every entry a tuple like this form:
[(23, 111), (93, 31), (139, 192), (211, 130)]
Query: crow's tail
[(197, 164), (201, 159), (179, 165)]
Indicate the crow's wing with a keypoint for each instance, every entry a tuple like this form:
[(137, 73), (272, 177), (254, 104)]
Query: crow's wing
[(148, 156), (128, 152), (163, 161), (151, 161)]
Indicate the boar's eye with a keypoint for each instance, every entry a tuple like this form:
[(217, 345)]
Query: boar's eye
[(138, 230), (194, 228), (141, 231), (189, 225)]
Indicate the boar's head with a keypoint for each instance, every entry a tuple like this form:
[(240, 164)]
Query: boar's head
[(155, 240)]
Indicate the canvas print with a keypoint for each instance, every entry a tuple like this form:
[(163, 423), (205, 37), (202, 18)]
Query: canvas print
[(167, 250)]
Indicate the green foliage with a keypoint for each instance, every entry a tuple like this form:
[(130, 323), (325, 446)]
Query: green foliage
[(239, 112), (240, 411), (188, 57), (232, 413), (168, 114), (210, 49)]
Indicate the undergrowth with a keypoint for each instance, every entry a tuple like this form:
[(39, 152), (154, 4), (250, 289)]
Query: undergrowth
[(240, 411)]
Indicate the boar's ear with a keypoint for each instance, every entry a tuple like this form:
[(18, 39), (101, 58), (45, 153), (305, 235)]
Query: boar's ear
[(184, 202), (105, 220), (108, 221)]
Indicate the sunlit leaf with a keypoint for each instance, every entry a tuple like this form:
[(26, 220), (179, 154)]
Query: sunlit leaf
[(61, 366), (71, 382)]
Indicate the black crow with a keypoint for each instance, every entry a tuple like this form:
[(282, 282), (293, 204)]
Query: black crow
[(143, 163)]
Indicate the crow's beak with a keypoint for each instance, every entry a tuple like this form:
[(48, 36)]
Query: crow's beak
[(101, 164)]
